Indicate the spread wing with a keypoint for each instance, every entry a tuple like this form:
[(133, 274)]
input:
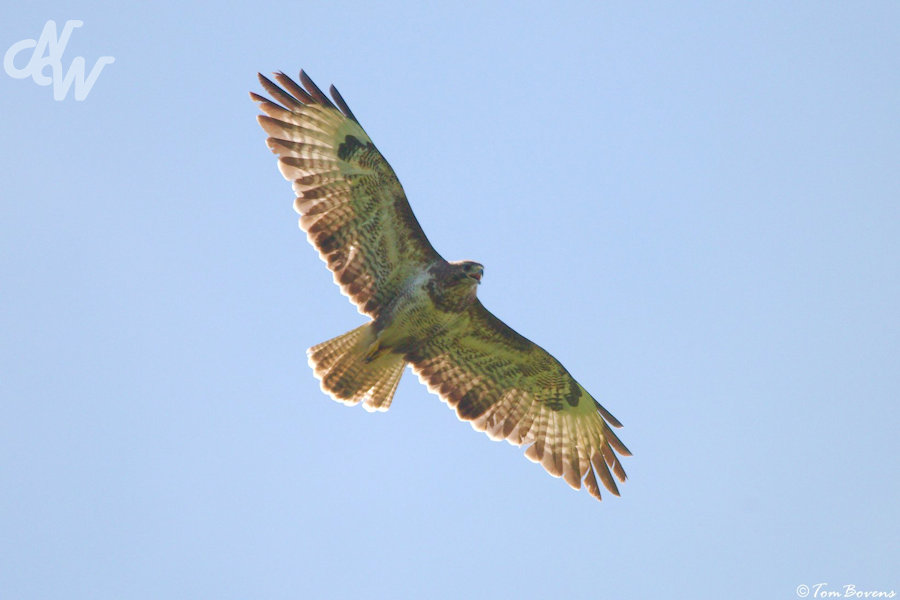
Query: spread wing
[(351, 203), (512, 389)]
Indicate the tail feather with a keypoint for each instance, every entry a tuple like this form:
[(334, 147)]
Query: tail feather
[(350, 374)]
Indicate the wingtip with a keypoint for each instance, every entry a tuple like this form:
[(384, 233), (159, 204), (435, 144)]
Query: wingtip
[(608, 416), (342, 104), (313, 90), (305, 79)]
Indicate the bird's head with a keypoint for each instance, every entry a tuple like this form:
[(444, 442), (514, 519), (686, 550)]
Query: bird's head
[(454, 284), (468, 272)]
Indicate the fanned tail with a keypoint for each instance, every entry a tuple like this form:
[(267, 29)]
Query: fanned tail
[(350, 372)]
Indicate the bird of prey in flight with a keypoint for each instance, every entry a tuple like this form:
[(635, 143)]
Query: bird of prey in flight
[(424, 310)]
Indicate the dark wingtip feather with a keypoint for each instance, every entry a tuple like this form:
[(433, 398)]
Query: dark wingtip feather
[(602, 471), (314, 90), (292, 88), (265, 82), (277, 93), (342, 104), (616, 443), (294, 96), (607, 415)]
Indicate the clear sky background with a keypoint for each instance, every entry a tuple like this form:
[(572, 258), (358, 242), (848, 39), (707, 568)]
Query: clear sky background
[(694, 206)]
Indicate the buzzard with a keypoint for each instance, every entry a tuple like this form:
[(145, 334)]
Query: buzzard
[(424, 310)]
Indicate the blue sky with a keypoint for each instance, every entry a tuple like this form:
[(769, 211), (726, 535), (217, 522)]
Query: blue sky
[(695, 207)]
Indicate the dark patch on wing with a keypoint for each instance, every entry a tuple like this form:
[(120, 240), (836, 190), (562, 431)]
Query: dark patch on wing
[(349, 147), (573, 396), (474, 402), (554, 404)]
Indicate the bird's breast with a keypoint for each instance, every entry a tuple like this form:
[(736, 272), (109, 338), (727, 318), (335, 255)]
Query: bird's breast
[(413, 317)]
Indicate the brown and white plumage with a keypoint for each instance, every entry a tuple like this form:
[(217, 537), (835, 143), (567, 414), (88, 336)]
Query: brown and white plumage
[(424, 309), (512, 389), (347, 193)]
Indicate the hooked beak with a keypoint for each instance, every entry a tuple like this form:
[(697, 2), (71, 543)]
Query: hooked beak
[(476, 275)]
